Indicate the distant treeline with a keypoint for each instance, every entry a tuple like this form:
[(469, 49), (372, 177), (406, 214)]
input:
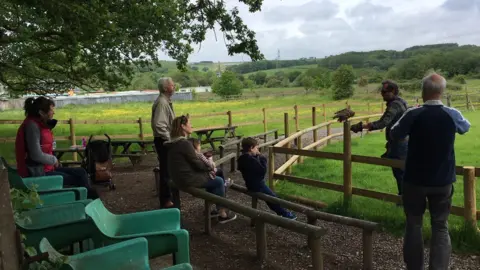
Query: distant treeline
[(450, 59)]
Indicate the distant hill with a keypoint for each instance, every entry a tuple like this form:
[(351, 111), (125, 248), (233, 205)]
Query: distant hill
[(380, 60)]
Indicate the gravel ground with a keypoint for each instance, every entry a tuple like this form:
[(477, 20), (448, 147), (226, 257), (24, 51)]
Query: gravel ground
[(232, 245)]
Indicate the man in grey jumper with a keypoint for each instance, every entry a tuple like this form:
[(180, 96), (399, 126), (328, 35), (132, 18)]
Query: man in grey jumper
[(162, 117)]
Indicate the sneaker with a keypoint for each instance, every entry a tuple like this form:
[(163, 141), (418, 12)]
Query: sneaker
[(228, 182), (228, 218), (290, 215)]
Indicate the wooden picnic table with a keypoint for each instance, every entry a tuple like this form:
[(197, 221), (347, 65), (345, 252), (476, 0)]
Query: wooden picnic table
[(229, 132), (134, 156), (126, 144), (59, 152)]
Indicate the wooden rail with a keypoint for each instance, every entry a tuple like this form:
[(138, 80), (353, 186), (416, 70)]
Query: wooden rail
[(229, 121), (469, 211), (313, 215), (262, 218)]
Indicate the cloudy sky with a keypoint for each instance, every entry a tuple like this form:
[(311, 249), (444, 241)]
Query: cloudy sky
[(318, 28)]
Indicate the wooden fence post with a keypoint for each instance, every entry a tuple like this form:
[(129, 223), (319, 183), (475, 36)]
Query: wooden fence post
[(222, 154), (299, 147), (347, 164), (261, 239), (286, 125), (296, 117), (140, 126), (264, 121), (367, 237), (317, 257), (470, 207), (254, 206), (229, 113), (73, 138), (324, 113), (329, 132), (271, 167), (208, 218), (314, 123)]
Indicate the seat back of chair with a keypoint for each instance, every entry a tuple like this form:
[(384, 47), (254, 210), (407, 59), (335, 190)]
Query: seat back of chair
[(53, 255), (52, 216), (105, 221), (14, 178), (128, 254)]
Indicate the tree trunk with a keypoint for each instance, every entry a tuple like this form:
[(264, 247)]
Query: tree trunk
[(9, 259)]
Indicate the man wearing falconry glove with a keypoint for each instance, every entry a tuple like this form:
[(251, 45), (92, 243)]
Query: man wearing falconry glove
[(396, 106)]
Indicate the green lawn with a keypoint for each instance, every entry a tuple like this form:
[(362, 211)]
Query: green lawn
[(380, 178)]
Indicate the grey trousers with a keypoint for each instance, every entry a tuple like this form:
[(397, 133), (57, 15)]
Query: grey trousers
[(439, 204)]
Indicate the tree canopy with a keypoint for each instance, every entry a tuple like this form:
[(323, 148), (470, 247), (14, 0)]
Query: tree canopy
[(51, 45)]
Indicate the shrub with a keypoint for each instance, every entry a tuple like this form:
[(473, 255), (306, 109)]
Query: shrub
[(342, 81), (460, 79)]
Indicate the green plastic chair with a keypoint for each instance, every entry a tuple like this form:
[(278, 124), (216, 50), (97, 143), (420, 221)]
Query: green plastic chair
[(63, 225), (50, 188), (160, 227), (129, 254)]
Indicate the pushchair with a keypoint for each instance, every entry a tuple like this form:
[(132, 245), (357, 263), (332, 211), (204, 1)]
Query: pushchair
[(98, 162)]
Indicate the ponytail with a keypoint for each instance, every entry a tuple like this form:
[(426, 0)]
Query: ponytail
[(32, 105), (29, 107)]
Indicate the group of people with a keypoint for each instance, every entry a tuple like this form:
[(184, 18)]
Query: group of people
[(182, 161), (423, 136)]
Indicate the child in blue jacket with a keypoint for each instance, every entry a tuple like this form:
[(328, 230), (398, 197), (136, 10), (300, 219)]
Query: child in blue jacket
[(253, 166)]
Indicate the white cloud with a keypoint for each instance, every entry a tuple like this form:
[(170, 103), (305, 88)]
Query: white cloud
[(304, 28)]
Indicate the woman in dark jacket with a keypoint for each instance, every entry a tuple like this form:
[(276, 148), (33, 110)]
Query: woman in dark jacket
[(34, 146), (187, 170)]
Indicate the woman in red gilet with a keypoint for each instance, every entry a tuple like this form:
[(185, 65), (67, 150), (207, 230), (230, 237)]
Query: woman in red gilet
[(34, 146)]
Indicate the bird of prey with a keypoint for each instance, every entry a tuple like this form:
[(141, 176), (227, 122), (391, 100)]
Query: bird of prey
[(343, 115)]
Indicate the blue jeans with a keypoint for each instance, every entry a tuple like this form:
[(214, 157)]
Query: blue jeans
[(215, 186), (263, 188), (397, 150), (76, 177)]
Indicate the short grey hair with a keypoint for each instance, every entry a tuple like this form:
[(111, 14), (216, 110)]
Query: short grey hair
[(434, 84), (162, 82)]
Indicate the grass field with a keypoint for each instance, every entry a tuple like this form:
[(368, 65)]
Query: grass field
[(380, 178), (132, 111)]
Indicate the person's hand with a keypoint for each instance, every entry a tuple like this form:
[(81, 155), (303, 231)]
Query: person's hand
[(57, 164), (367, 126), (357, 127)]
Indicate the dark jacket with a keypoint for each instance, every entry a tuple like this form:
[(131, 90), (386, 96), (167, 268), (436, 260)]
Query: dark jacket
[(184, 166), (395, 109), (253, 169), (431, 153)]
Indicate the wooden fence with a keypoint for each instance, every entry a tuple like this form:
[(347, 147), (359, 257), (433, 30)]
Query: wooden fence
[(469, 211), (299, 110)]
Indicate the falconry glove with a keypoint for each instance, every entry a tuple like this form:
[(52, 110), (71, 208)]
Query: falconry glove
[(358, 127)]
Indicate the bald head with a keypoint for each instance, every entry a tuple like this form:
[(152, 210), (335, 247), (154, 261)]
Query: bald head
[(433, 86)]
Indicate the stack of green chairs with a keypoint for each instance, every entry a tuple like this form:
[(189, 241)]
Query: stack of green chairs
[(49, 188), (129, 254), (63, 224), (160, 227)]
